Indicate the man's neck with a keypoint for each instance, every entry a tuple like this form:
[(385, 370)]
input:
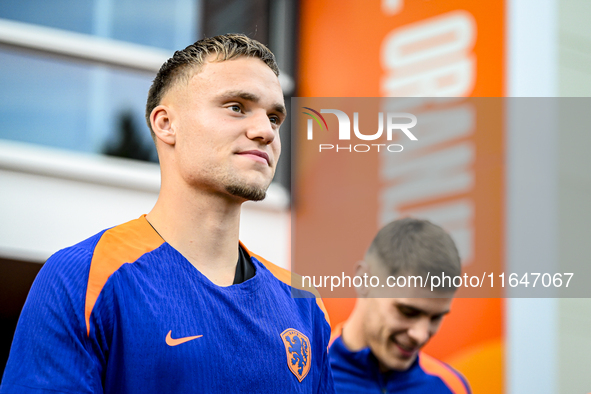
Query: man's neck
[(203, 228), (353, 334)]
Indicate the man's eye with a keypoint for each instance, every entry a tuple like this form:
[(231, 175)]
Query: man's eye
[(235, 108), (437, 318), (409, 312), (274, 120)]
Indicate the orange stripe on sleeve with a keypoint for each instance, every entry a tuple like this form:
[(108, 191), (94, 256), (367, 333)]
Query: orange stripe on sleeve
[(285, 276), (435, 367), (119, 245), (336, 332)]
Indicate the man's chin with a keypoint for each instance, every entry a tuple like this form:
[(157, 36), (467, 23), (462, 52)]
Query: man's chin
[(396, 359), (247, 192)]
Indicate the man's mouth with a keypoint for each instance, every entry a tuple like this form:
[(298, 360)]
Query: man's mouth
[(257, 155), (405, 351)]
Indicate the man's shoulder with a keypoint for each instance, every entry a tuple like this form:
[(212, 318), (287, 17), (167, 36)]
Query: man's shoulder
[(291, 280), (346, 362), (452, 378), (74, 255), (126, 242), (82, 270), (121, 242), (93, 260)]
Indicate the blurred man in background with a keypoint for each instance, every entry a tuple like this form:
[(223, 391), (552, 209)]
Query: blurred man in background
[(172, 302), (378, 349)]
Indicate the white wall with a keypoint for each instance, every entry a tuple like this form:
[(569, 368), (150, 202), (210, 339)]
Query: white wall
[(531, 324)]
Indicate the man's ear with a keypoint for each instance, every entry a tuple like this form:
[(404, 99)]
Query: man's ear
[(161, 121), (362, 268)]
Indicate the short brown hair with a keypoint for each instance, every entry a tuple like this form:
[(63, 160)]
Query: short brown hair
[(182, 65), (416, 247)]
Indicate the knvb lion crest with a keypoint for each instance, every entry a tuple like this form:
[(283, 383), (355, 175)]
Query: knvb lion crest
[(297, 347)]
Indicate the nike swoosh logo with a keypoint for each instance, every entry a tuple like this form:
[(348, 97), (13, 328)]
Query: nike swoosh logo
[(170, 341)]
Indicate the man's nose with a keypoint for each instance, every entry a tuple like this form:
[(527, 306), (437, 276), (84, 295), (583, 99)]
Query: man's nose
[(420, 331), (261, 128)]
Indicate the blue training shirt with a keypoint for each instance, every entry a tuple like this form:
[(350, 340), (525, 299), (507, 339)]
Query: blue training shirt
[(124, 312), (359, 372)]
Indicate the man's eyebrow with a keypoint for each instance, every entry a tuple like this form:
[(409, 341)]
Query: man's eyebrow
[(419, 310), (280, 108), (410, 307), (240, 94), (251, 97)]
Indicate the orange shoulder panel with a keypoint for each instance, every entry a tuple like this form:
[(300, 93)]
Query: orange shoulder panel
[(119, 245), (285, 276), (435, 367), (336, 332)]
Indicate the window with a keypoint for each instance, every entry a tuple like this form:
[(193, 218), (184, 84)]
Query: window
[(65, 82)]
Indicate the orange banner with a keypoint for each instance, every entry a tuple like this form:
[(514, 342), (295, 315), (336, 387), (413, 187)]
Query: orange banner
[(406, 48)]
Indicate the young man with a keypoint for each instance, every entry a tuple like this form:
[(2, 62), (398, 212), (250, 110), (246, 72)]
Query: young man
[(377, 350), (171, 302)]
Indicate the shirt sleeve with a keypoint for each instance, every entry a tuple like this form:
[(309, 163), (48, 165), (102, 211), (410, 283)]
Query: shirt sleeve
[(51, 351)]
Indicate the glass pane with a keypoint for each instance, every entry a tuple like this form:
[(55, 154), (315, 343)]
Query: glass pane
[(167, 24), (74, 15), (73, 106)]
